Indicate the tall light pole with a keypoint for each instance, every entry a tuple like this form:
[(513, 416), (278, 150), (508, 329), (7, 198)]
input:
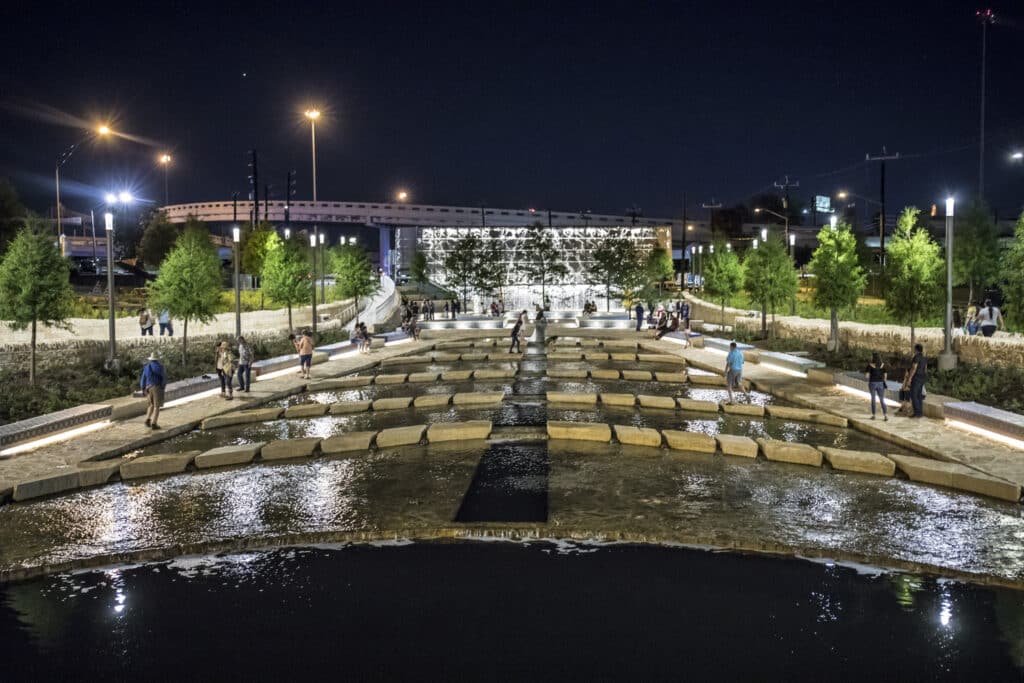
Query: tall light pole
[(63, 158), (777, 215), (108, 218), (792, 258), (985, 17), (236, 235), (165, 160), (948, 359), (323, 269), (312, 250)]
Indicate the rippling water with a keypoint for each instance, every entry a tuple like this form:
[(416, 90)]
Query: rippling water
[(503, 611)]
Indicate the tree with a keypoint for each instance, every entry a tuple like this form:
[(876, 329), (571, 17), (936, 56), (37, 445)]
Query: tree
[(838, 278), (543, 262), (418, 267), (611, 258), (34, 286), (975, 249), (769, 277), (723, 275), (158, 239), (463, 264), (286, 274), (189, 283), (659, 266), (255, 244), (1013, 275), (914, 269), (492, 274), (355, 274)]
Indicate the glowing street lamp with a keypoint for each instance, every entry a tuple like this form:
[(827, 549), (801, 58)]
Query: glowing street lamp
[(833, 219), (165, 160), (64, 157), (764, 234), (312, 249), (948, 359), (323, 269), (402, 196), (108, 219), (236, 237), (754, 244), (287, 233)]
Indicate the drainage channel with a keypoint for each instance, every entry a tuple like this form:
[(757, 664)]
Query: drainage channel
[(510, 483)]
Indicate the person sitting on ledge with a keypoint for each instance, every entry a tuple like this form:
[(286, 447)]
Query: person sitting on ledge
[(670, 327)]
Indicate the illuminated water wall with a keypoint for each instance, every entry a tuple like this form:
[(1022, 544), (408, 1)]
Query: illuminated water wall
[(576, 245)]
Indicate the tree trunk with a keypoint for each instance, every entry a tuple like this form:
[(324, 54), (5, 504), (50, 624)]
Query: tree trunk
[(834, 329), (184, 344), (771, 333), (32, 353), (290, 328), (764, 319), (607, 298), (357, 309), (723, 318)]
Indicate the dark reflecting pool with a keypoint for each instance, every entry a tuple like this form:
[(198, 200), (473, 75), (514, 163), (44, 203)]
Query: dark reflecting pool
[(503, 611)]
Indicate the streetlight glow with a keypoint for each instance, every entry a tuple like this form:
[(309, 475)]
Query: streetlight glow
[(323, 238), (764, 234), (165, 159), (103, 130), (755, 243), (832, 221), (842, 194), (110, 198), (312, 240), (792, 240), (125, 197), (1017, 156), (950, 202), (287, 233), (402, 195), (690, 227), (313, 114), (236, 233), (108, 219)]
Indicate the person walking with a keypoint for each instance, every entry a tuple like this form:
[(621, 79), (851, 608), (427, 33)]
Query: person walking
[(245, 358), (972, 318), (226, 370), (639, 316), (989, 318), (447, 309), (877, 374), (915, 379), (516, 329), (153, 382), (734, 371), (145, 322), (304, 346), (165, 323)]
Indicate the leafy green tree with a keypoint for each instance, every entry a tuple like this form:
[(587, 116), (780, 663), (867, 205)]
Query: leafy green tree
[(659, 266), (723, 275), (255, 244), (356, 277), (286, 274), (838, 277), (770, 277), (543, 261), (34, 286), (463, 264), (914, 270), (975, 249), (617, 267), (418, 267), (158, 239), (189, 283), (492, 274), (1013, 275)]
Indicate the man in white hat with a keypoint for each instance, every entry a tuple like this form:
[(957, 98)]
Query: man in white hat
[(152, 383)]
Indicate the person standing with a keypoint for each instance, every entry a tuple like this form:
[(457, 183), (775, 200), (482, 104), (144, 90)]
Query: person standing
[(684, 314), (304, 346), (972, 318), (639, 316), (456, 308), (734, 371), (226, 371), (447, 309), (989, 317), (915, 379), (145, 322), (153, 382), (516, 329), (877, 374), (245, 358), (165, 323)]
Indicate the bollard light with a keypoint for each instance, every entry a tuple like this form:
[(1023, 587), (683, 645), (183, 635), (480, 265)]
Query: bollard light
[(108, 219), (764, 234), (792, 240), (755, 243), (312, 240), (287, 233), (323, 237), (832, 221), (236, 234)]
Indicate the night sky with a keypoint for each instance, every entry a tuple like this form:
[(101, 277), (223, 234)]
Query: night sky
[(566, 105)]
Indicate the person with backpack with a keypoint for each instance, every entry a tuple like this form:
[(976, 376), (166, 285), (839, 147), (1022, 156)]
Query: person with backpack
[(516, 329), (153, 382), (877, 374)]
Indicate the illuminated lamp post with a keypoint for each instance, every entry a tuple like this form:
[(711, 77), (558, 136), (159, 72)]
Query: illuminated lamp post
[(792, 257), (948, 359), (63, 158), (312, 250), (165, 160), (236, 236), (323, 269), (112, 363)]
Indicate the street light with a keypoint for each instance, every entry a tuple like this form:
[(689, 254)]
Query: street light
[(287, 233), (764, 234), (777, 215), (948, 359), (165, 159), (1017, 156), (63, 158), (312, 249), (402, 195), (323, 269), (754, 244), (108, 218), (833, 219), (236, 235)]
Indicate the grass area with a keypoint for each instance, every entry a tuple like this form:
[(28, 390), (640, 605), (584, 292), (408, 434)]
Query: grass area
[(994, 386), (95, 308), (869, 310), (78, 379)]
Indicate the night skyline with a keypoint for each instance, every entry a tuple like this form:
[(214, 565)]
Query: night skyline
[(574, 107)]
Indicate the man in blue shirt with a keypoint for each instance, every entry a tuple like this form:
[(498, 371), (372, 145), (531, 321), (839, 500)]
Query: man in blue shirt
[(152, 383), (734, 371), (639, 316)]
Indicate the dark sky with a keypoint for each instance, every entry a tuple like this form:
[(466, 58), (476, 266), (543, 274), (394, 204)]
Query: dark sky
[(568, 105)]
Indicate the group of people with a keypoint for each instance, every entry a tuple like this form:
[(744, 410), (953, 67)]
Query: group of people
[(497, 309), (589, 308), (985, 319), (229, 364), (362, 337), (147, 322), (911, 390), (303, 343)]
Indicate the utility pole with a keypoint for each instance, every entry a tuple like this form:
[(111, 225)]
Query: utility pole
[(254, 187), (682, 253), (289, 193), (266, 203), (711, 206), (784, 186), (985, 17), (634, 212), (883, 157)]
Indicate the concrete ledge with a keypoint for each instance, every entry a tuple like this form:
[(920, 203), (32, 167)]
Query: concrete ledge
[(618, 344), (488, 398), (697, 406), (571, 397), (52, 423), (419, 377), (956, 476), (858, 461), (286, 449), (341, 383), (636, 375), (638, 436), (620, 400), (375, 343), (670, 377), (156, 465), (789, 361), (596, 355), (456, 375), (98, 472), (566, 373), (697, 442), (459, 431), (707, 380), (660, 358), (431, 400), (228, 455), (127, 407), (392, 403), (242, 417), (579, 431), (743, 409), (740, 446), (493, 374), (821, 376), (47, 485), (400, 436), (605, 373), (405, 360), (621, 356), (348, 407), (475, 356), (306, 410), (390, 379), (348, 442), (806, 415), (660, 402), (446, 357), (786, 451), (564, 355), (994, 419)]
